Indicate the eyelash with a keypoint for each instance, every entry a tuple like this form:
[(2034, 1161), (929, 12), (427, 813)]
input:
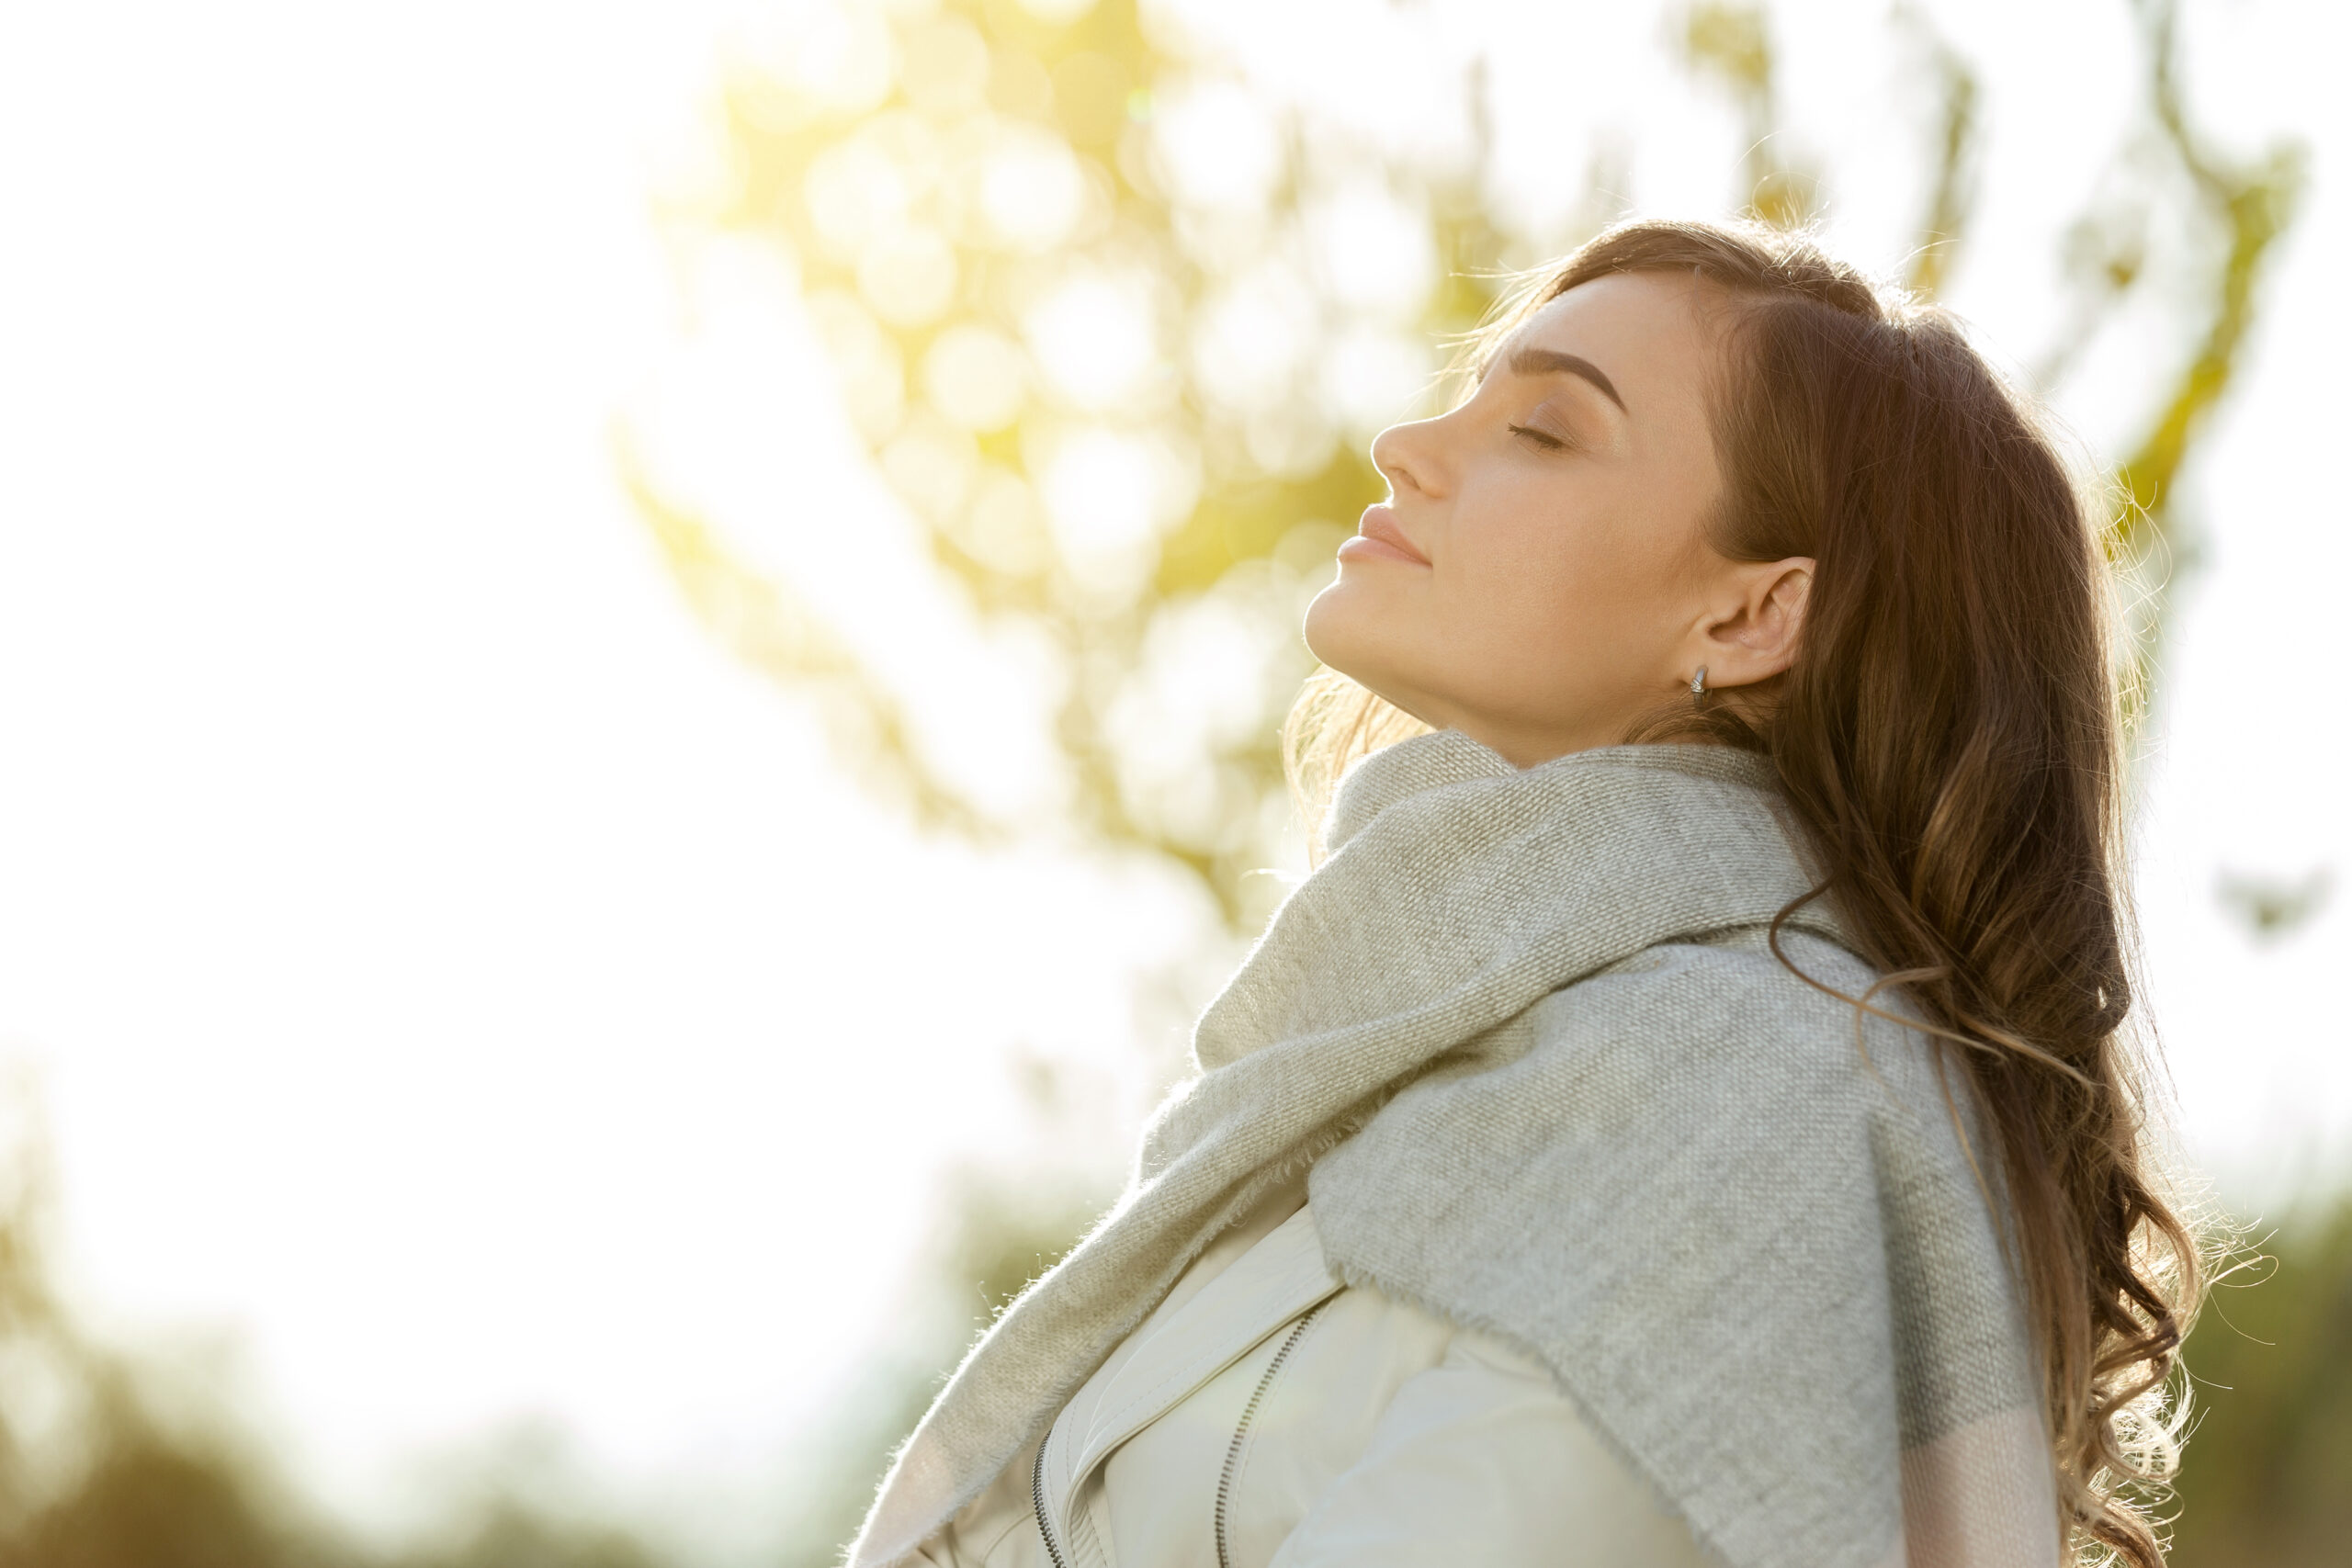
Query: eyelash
[(1549, 441)]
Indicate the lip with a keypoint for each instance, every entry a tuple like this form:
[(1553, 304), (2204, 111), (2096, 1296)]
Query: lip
[(1378, 536)]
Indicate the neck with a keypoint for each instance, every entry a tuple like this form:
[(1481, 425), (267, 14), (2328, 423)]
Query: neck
[(1523, 744)]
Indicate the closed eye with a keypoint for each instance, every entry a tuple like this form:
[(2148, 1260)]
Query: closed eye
[(1543, 438)]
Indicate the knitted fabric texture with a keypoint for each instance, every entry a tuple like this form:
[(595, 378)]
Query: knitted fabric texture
[(1555, 1088)]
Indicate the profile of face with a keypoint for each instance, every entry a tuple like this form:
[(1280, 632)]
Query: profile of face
[(1541, 577)]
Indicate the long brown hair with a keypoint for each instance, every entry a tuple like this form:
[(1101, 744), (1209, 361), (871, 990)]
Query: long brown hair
[(1949, 735)]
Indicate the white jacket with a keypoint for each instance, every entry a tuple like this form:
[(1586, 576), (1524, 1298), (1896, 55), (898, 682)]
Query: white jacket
[(1267, 1415), (1539, 1033)]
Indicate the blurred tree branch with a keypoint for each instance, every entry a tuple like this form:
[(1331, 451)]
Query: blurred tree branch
[(1951, 200), (2250, 205), (986, 97), (776, 632), (2243, 207), (962, 218), (2246, 208), (1732, 43)]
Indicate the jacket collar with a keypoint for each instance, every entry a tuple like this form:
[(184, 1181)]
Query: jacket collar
[(1265, 1288)]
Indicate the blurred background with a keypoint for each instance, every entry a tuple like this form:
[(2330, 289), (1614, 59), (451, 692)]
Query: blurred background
[(640, 643)]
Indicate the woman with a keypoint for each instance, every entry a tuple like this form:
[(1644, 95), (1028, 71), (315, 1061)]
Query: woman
[(1684, 1117)]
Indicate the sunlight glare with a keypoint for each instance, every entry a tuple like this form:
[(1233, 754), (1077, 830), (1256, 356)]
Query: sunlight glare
[(1375, 378), (1107, 495), (841, 57), (855, 193), (864, 360), (1253, 340), (1031, 188), (1094, 338), (1208, 679), (1374, 251), (1217, 146)]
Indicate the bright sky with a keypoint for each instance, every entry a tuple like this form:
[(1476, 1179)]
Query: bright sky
[(451, 976)]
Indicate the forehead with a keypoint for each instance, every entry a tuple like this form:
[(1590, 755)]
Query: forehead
[(1649, 332)]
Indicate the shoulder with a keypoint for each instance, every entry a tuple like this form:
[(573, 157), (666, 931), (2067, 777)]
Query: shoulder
[(1736, 971), (1701, 1061), (1730, 1011)]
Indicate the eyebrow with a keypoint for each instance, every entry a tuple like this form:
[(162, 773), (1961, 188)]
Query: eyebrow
[(1552, 362)]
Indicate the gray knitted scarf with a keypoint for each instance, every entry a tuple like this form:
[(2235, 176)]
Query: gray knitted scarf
[(1554, 1086)]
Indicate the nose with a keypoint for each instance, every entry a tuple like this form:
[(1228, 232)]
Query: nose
[(1407, 457)]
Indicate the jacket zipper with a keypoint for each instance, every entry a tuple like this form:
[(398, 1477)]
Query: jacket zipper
[(1037, 1498), (1240, 1436)]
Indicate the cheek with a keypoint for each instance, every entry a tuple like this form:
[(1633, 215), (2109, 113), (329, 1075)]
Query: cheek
[(1543, 568)]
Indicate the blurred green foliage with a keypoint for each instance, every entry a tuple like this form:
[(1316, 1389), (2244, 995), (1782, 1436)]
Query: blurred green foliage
[(940, 314), (2267, 1476), (1100, 371), (109, 1461), (1733, 43), (105, 1463), (1089, 299), (2240, 210), (971, 196)]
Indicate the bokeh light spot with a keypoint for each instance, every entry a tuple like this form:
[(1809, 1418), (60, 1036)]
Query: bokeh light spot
[(974, 376), (841, 57), (931, 463), (1372, 378), (908, 277), (1004, 526), (855, 192), (1375, 251), (1217, 146), (1252, 339), (1107, 495), (1094, 338), (1031, 189), (944, 66), (872, 380)]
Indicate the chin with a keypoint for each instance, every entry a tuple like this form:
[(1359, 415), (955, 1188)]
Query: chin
[(1350, 633), (1337, 626)]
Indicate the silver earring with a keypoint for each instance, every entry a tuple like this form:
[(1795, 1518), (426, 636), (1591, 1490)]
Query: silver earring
[(1699, 683)]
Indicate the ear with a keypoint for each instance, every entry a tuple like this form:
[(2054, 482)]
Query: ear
[(1749, 629)]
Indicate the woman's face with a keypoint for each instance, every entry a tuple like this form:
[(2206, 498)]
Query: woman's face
[(1539, 577)]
